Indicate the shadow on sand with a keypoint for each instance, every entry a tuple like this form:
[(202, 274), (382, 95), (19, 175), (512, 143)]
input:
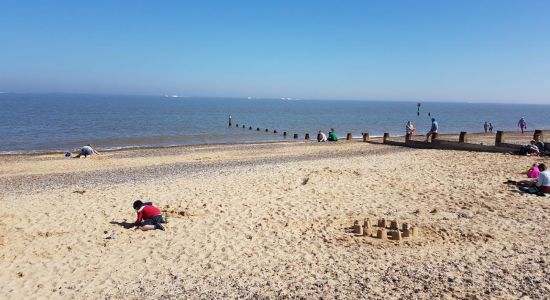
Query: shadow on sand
[(124, 224)]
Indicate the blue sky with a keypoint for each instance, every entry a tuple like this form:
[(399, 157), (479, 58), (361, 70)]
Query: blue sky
[(374, 50)]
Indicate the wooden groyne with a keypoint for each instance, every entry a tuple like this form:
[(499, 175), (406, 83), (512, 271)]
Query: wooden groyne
[(466, 142), (462, 141)]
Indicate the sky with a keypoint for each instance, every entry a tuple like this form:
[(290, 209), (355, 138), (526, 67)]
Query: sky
[(475, 51)]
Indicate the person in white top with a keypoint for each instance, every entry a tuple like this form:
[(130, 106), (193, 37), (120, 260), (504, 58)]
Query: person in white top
[(321, 136), (543, 182), (540, 186), (409, 130)]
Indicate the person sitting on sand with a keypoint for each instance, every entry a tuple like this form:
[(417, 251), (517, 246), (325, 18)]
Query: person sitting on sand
[(332, 137), (529, 150), (87, 151), (433, 129), (541, 186), (533, 172), (409, 130), (148, 216), (321, 136), (539, 144)]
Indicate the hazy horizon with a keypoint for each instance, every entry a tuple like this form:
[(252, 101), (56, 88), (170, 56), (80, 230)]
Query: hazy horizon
[(265, 98), (422, 51)]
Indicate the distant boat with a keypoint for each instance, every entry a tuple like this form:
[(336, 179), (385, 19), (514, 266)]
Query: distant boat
[(171, 96), (286, 99)]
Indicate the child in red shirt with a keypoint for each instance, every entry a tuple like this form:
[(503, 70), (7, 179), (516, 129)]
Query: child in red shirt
[(148, 216)]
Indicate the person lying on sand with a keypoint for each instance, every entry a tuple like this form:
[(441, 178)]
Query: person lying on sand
[(87, 151), (541, 186), (148, 216)]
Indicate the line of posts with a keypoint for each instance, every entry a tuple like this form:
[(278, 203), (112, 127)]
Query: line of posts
[(462, 138)]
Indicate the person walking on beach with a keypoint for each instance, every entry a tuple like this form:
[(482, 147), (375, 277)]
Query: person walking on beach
[(486, 126), (490, 127), (148, 216), (522, 124), (87, 151), (409, 130), (433, 129)]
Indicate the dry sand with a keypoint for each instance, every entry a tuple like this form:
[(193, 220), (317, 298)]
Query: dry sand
[(270, 221)]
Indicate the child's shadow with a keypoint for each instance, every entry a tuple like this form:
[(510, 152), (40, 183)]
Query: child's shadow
[(124, 224)]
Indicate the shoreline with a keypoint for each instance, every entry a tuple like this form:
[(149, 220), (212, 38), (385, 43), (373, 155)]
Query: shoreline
[(288, 140)]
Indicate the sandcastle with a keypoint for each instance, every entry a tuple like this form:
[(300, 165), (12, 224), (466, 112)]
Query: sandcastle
[(384, 232)]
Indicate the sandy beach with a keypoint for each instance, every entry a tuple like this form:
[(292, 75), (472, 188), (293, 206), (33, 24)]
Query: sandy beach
[(271, 221)]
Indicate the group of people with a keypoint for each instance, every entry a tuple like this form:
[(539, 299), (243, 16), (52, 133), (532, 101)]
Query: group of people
[(538, 182), (149, 216), (410, 130), (488, 127), (322, 137), (534, 148)]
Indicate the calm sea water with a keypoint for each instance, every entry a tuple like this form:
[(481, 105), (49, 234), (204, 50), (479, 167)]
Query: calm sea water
[(51, 122)]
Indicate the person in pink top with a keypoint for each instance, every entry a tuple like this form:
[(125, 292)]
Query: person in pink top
[(533, 172)]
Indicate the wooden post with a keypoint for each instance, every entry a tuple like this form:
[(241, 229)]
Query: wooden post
[(365, 136), (284, 134), (295, 135), (462, 138), (307, 136), (348, 137), (499, 138), (274, 131), (538, 134), (266, 130), (258, 129), (386, 137), (229, 120), (243, 126), (249, 127), (237, 125)]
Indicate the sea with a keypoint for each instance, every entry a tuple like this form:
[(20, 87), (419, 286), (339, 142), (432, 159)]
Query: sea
[(65, 122)]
